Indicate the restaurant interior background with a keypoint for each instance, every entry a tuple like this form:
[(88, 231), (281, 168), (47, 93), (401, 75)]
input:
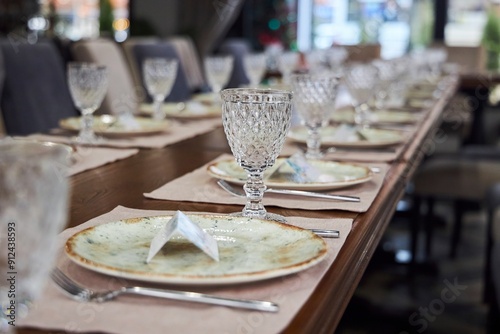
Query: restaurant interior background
[(388, 295)]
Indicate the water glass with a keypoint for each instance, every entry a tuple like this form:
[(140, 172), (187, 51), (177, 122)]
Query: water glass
[(314, 100), (88, 84), (256, 122), (159, 76), (360, 80), (288, 62), (218, 71), (255, 65), (34, 194)]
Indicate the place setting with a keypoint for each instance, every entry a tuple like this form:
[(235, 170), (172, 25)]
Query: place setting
[(336, 185)]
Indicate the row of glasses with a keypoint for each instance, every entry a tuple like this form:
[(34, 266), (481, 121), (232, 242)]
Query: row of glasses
[(218, 70)]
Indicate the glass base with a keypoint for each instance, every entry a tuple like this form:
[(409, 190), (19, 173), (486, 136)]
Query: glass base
[(88, 139), (267, 216)]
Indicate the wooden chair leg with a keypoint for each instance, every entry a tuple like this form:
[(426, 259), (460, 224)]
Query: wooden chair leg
[(429, 228), (458, 208), (414, 229), (488, 284)]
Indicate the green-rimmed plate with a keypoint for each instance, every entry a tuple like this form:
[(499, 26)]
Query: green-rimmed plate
[(332, 175), (108, 125), (363, 138), (250, 249)]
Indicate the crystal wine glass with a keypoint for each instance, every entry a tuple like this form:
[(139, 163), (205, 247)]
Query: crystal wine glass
[(288, 62), (314, 100), (256, 122), (88, 84), (159, 77), (218, 71), (255, 67), (360, 80), (34, 196)]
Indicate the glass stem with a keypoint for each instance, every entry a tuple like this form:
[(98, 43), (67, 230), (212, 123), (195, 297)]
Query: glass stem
[(313, 143), (86, 129), (158, 114), (362, 115), (254, 189)]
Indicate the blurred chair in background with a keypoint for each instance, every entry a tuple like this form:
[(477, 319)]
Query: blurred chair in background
[(129, 55), (123, 97), (190, 62), (363, 52), (238, 48), (492, 267), (163, 49), (35, 94)]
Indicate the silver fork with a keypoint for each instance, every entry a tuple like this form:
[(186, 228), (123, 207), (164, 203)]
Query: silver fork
[(82, 294)]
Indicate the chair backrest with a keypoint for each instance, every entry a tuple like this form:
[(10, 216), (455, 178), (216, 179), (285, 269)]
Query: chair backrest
[(35, 94), (363, 52), (190, 62), (180, 90), (129, 55), (122, 95), (238, 48), (469, 58)]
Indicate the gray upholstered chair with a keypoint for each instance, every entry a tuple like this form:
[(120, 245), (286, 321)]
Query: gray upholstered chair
[(237, 48), (35, 94), (2, 77)]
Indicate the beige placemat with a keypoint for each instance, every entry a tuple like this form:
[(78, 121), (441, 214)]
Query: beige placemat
[(86, 158), (134, 314), (176, 133), (198, 186)]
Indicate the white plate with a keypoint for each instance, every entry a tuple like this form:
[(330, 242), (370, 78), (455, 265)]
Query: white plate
[(108, 125), (334, 175), (365, 138), (185, 110), (378, 117), (249, 250)]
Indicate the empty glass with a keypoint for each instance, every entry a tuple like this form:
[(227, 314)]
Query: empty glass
[(255, 66), (159, 76), (288, 62), (34, 194), (256, 122), (218, 71), (314, 100), (360, 80), (88, 84)]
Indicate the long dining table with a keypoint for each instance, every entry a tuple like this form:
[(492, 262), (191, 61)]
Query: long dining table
[(123, 183)]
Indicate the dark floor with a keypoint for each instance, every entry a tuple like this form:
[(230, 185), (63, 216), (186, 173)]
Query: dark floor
[(392, 299)]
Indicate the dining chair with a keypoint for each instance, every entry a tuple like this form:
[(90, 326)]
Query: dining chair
[(190, 61), (35, 94), (122, 95), (180, 90), (238, 48), (363, 52), (492, 261), (127, 47)]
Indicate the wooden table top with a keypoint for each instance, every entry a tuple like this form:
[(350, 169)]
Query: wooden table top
[(99, 190)]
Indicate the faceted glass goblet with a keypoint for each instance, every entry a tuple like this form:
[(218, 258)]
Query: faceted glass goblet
[(218, 71), (314, 100), (256, 122), (159, 77), (288, 62), (255, 66), (360, 80), (34, 197), (88, 84)]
